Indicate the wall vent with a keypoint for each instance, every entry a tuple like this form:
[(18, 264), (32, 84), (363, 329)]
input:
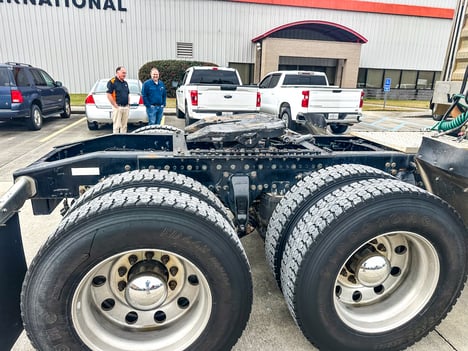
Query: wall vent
[(184, 50)]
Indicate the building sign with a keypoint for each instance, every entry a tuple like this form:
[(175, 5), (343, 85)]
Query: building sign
[(370, 6), (112, 5)]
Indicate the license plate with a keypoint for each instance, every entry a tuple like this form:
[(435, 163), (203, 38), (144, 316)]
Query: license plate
[(333, 116), (227, 114)]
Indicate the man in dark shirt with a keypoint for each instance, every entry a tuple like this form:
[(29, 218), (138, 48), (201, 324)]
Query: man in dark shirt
[(154, 97), (118, 94)]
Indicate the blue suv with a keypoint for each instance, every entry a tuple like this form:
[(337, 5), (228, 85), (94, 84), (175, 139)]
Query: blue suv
[(30, 93)]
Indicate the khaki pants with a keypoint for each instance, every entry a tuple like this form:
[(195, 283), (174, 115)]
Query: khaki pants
[(120, 119)]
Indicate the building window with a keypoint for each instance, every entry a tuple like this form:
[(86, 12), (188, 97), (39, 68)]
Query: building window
[(362, 78), (184, 50), (375, 78), (425, 80), (401, 79), (408, 79), (394, 75)]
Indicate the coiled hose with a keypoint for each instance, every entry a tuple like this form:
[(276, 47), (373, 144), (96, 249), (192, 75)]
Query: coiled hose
[(453, 124)]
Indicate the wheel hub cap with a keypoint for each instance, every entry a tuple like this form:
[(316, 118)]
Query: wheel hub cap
[(147, 286), (373, 271)]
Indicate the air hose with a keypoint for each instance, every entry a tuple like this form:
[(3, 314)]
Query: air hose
[(453, 124)]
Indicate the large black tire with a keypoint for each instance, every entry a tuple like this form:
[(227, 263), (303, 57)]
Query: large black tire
[(92, 125), (300, 198), (66, 109), (338, 128), (83, 290), (374, 265), (155, 128), (188, 119), (179, 113), (35, 120), (152, 178)]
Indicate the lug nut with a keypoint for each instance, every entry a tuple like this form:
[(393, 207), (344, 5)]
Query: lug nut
[(132, 259), (121, 285), (172, 284), (174, 270), (122, 271)]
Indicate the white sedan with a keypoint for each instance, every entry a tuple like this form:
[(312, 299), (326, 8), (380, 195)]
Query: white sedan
[(99, 110)]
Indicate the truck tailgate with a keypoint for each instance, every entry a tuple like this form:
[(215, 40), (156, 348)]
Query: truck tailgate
[(334, 100), (227, 98)]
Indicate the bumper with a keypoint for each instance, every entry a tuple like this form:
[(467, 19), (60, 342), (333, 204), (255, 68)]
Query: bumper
[(12, 114), (104, 115), (324, 119), (200, 114)]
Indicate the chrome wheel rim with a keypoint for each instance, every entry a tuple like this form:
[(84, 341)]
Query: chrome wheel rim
[(67, 108), (142, 300), (37, 117), (285, 117), (386, 282)]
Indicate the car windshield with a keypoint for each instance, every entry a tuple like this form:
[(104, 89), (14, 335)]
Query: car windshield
[(133, 85)]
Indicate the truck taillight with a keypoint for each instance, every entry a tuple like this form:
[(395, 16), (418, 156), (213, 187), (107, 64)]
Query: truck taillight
[(89, 100), (194, 97), (16, 96), (361, 103), (259, 99), (305, 98), (140, 102)]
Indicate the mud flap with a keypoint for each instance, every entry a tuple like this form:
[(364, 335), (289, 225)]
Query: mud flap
[(12, 271)]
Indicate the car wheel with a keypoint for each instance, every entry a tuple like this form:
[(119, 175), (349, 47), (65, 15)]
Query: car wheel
[(149, 268), (188, 119), (92, 125), (300, 198), (66, 109), (285, 116), (179, 113), (338, 128), (377, 262), (35, 120)]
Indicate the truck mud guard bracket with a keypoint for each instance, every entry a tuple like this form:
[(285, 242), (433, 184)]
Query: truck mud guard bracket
[(240, 190)]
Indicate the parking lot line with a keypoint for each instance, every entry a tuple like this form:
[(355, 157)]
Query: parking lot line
[(47, 138)]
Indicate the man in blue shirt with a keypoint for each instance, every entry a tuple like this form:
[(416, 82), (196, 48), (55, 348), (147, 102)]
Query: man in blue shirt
[(154, 97)]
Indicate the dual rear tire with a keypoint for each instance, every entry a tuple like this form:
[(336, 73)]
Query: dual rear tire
[(367, 264), (139, 267)]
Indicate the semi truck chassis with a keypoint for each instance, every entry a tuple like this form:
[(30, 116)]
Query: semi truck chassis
[(367, 243)]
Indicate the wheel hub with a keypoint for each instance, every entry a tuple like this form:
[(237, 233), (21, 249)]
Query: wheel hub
[(147, 285), (386, 282), (373, 270)]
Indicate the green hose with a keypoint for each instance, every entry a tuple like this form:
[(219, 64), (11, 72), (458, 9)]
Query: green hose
[(443, 126), (461, 119)]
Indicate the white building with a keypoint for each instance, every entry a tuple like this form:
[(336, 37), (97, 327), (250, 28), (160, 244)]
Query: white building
[(358, 43)]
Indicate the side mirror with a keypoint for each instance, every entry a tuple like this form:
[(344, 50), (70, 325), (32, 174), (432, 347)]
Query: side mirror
[(58, 83)]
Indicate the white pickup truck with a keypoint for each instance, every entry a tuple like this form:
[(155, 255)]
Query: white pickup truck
[(209, 91), (305, 97)]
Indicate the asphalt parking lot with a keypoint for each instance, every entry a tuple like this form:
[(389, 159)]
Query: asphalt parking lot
[(270, 326)]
